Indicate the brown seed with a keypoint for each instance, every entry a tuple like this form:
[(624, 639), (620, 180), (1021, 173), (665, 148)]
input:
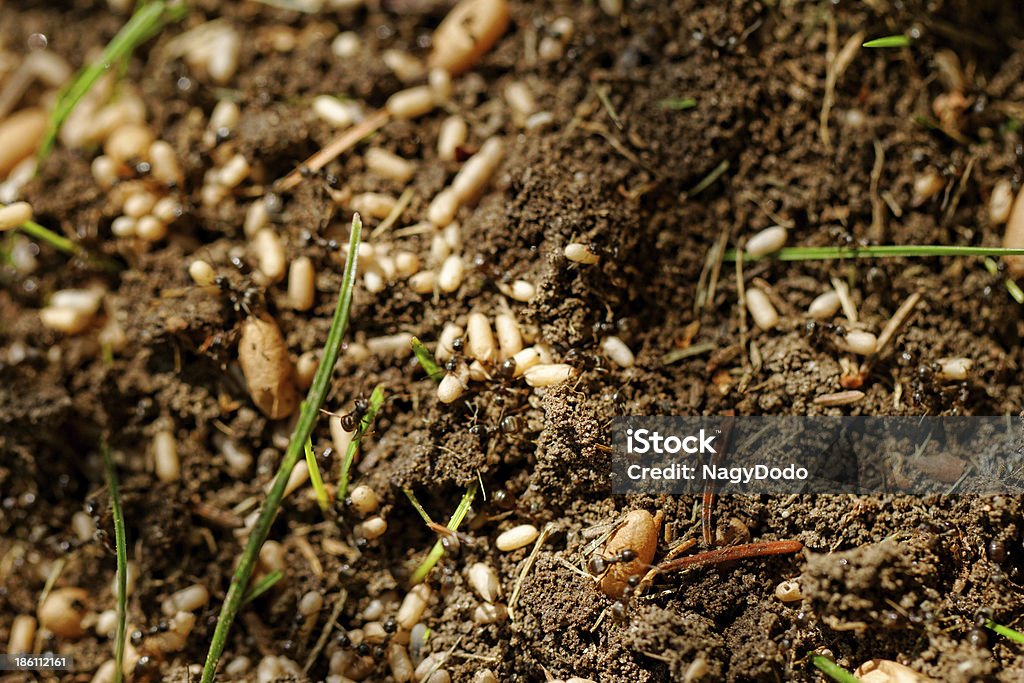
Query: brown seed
[(841, 398), (469, 30), (639, 534), (63, 611), (267, 368)]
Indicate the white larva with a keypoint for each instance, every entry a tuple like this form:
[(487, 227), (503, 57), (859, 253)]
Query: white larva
[(480, 338), (490, 613), (1000, 202), (130, 141), (364, 499), (13, 215), (424, 282), (333, 111), (406, 67), (139, 204), (580, 253), (859, 342), (761, 309), (452, 235), (440, 82), (411, 102), (446, 340), (510, 338), (150, 228), (272, 556), (165, 456), (439, 248), (1013, 237), (311, 603), (516, 537), (452, 135), (824, 306), (398, 345), (22, 635), (256, 218), (768, 241), (187, 599), (64, 320), (374, 527), (478, 372), (389, 165), (443, 207), (346, 44), (407, 264), (477, 171), (305, 369), (520, 99), (450, 388), (618, 352), (234, 171), (123, 226), (82, 300), (484, 580), (167, 210), (954, 369), (449, 278), (413, 606), (222, 62), (105, 171), (549, 374), (400, 663), (526, 359), (164, 164), (373, 204), (519, 290), (224, 117), (301, 284), (299, 476), (270, 254)]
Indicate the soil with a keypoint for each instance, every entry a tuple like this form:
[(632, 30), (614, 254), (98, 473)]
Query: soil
[(892, 577)]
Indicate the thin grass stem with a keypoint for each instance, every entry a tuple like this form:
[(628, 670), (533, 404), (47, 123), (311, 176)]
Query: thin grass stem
[(121, 550)]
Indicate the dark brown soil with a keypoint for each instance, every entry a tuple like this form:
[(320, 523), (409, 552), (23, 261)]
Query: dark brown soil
[(893, 577)]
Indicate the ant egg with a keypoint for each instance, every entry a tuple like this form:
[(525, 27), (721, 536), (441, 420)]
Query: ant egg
[(768, 241), (490, 613), (516, 537), (451, 136), (443, 207), (510, 339), (187, 599), (484, 580), (580, 253), (859, 342), (301, 284), (466, 33), (480, 338), (1000, 201), (549, 374), (954, 369), (165, 456), (789, 591), (270, 254), (399, 662), (22, 635), (13, 215), (364, 499), (411, 102), (413, 606), (761, 309), (63, 612), (618, 352), (824, 305), (477, 171), (450, 388)]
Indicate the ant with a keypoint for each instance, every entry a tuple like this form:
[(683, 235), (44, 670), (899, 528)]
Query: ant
[(352, 420)]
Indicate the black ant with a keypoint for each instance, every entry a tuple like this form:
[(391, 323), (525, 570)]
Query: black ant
[(351, 421)]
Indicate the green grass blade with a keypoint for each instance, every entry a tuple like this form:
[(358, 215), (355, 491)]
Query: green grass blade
[(121, 549), (304, 427), (314, 476), (1005, 631), (426, 359), (833, 670), (888, 41), (1011, 286), (709, 179), (33, 229), (148, 20), (262, 586), (678, 103), (416, 504), (438, 550), (883, 251), (376, 401)]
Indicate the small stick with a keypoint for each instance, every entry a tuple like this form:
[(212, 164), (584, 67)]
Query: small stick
[(545, 532), (708, 504), (896, 322), (327, 154), (736, 552)]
